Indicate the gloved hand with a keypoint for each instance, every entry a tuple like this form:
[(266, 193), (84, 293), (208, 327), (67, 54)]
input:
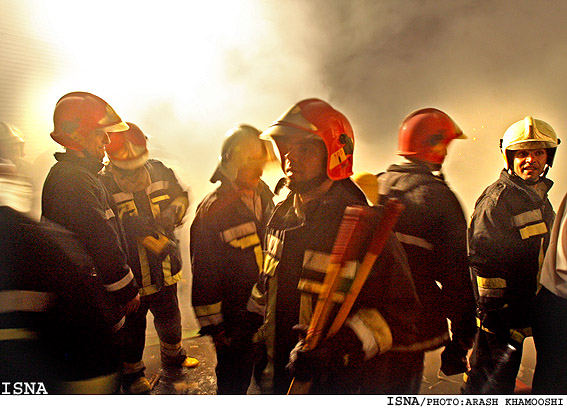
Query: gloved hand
[(342, 350), (133, 225), (168, 217), (454, 359), (247, 324)]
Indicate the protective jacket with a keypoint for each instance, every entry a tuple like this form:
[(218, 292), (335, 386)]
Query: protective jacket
[(140, 211), (226, 255), (74, 197), (299, 241), (508, 237), (432, 230), (56, 319)]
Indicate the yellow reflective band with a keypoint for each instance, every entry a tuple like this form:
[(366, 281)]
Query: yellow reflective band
[(107, 384), (206, 310), (120, 197), (170, 349), (109, 214), (274, 246), (239, 231), (160, 198), (413, 240), (319, 262), (527, 217), (533, 230), (428, 344), (490, 283), (491, 293), (254, 304), (519, 335), (170, 280), (246, 242), (372, 330), (127, 207), (156, 186), (17, 334), (306, 285), (147, 290), (481, 327), (24, 301)]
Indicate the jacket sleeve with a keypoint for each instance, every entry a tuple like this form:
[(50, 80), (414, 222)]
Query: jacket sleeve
[(179, 197), (206, 266), (84, 210), (452, 270), (387, 307), (82, 303), (490, 255)]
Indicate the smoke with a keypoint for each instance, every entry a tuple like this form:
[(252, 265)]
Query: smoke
[(188, 71)]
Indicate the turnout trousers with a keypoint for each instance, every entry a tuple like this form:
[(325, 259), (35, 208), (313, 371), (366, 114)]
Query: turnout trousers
[(164, 306), (495, 362)]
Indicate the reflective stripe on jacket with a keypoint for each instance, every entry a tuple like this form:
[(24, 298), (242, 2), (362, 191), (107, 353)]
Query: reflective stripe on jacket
[(226, 255), (433, 231), (508, 236), (143, 208), (297, 253)]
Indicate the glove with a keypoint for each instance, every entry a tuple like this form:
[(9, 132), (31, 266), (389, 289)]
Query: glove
[(167, 218), (344, 349), (454, 359), (247, 324)]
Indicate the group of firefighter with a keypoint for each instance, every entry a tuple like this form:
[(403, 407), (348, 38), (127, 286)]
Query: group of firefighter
[(312, 295)]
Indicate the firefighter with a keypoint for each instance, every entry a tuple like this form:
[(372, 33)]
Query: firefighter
[(74, 197), (226, 254), (151, 205), (316, 144), (433, 232), (550, 322), (508, 236), (12, 142), (12, 147), (56, 319)]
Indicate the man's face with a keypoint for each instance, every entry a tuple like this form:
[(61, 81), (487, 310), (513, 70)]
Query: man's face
[(529, 164), (303, 160), (252, 167), (95, 142)]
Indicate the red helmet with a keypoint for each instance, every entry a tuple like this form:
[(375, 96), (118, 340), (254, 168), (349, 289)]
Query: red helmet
[(317, 119), (79, 113), (127, 150), (425, 134)]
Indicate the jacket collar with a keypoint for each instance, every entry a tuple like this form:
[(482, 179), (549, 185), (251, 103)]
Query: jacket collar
[(516, 181), (89, 163)]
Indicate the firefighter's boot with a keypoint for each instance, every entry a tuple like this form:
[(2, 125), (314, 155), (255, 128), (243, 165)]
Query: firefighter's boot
[(174, 355), (140, 385)]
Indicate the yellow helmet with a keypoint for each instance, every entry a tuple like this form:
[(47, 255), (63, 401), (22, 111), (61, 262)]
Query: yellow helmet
[(240, 147), (529, 134), (368, 183)]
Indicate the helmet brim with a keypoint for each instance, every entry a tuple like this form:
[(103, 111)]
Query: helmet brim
[(283, 130), (118, 127)]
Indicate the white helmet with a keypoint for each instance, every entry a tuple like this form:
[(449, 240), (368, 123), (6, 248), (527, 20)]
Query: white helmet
[(529, 134)]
